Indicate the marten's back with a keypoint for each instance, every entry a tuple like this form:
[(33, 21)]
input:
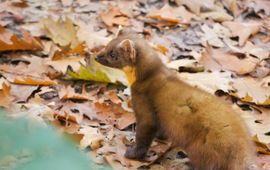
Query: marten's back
[(213, 135)]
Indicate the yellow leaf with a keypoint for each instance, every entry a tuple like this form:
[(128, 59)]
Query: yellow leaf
[(61, 32)]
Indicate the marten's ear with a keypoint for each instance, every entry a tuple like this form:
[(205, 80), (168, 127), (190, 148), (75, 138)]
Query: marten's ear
[(129, 48)]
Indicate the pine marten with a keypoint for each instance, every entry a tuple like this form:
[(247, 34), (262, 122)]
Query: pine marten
[(213, 136)]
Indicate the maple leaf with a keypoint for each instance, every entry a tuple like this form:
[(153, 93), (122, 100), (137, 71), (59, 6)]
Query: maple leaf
[(114, 16), (61, 32), (9, 41)]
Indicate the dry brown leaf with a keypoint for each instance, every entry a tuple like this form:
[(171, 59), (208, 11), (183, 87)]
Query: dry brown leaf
[(254, 50), (260, 5), (114, 16), (64, 52), (243, 30), (262, 147), (219, 16), (65, 124), (172, 15), (112, 94), (22, 92), (216, 35), (61, 32), (195, 6), (10, 41), (93, 39), (18, 77), (210, 82), (32, 74), (68, 92), (7, 18), (63, 64), (231, 5), (91, 137), (114, 114), (257, 121), (118, 151), (5, 97), (67, 2), (217, 59), (251, 90)]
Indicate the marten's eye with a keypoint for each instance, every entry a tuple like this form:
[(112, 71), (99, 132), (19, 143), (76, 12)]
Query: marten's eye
[(113, 56)]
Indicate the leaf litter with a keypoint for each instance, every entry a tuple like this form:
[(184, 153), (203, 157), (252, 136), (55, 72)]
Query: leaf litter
[(48, 72)]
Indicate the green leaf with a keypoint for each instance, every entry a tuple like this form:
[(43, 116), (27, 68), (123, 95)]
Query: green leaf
[(95, 71)]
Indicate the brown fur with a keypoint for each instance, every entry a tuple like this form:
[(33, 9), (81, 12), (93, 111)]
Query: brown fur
[(212, 134)]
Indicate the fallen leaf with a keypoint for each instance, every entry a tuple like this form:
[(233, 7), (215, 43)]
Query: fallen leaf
[(61, 32), (242, 30), (91, 137), (260, 5), (94, 71), (10, 41), (114, 16), (210, 82), (262, 147), (64, 52), (172, 15), (31, 74), (254, 50), (67, 2), (195, 6), (22, 92), (216, 59), (5, 97), (114, 114), (251, 90), (231, 5), (68, 92), (62, 64), (93, 39), (214, 36), (219, 16)]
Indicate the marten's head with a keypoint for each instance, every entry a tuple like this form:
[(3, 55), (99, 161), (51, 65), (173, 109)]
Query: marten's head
[(119, 53)]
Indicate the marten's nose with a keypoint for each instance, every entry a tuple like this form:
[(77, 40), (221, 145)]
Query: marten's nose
[(101, 58)]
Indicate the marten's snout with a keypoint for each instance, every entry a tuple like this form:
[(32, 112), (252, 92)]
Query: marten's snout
[(101, 58)]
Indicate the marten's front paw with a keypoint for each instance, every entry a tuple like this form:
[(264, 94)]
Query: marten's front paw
[(134, 153)]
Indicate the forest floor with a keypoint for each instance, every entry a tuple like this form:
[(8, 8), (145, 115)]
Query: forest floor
[(48, 72)]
